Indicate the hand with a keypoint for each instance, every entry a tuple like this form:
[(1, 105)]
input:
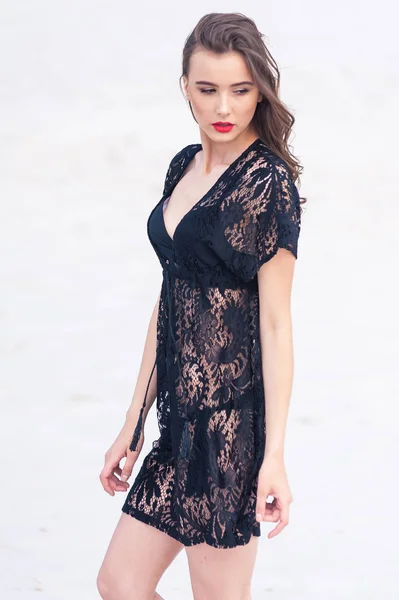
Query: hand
[(111, 470), (272, 480)]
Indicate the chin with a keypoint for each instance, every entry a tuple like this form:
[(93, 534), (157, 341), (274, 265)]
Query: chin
[(221, 137)]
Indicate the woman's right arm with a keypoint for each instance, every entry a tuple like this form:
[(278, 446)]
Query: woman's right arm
[(147, 363), (111, 471)]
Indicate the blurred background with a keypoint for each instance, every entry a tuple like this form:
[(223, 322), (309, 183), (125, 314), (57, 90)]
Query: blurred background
[(91, 114)]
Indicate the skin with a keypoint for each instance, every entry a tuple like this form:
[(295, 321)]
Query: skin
[(138, 554)]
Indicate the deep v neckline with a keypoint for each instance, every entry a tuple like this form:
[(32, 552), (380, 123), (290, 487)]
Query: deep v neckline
[(196, 148)]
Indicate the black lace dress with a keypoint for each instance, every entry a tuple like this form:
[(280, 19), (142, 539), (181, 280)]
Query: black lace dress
[(198, 483)]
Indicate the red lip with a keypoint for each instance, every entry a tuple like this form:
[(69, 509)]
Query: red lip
[(223, 127)]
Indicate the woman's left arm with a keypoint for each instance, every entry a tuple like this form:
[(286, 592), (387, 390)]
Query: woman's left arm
[(275, 279)]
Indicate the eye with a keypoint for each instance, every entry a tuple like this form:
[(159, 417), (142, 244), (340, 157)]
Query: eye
[(211, 90)]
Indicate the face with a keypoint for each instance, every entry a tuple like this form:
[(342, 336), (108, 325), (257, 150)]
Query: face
[(221, 89)]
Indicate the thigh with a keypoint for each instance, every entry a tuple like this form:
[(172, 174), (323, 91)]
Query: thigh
[(137, 556), (222, 573)]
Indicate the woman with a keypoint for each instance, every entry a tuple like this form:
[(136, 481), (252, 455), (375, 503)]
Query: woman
[(218, 355)]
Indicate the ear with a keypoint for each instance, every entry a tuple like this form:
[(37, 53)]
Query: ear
[(185, 85)]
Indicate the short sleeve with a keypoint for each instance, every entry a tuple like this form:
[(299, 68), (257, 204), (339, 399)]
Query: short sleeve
[(261, 215), (175, 167), (169, 173)]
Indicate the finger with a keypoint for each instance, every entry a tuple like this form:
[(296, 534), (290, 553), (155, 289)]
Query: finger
[(111, 483), (114, 479), (105, 483), (118, 485), (261, 504), (110, 464), (277, 529), (283, 520), (272, 511), (271, 519), (118, 470), (272, 516), (128, 466)]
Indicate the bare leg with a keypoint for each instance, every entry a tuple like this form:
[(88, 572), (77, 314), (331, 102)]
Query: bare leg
[(137, 557), (222, 573)]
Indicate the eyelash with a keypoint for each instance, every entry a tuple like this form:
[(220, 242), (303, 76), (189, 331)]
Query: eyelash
[(208, 90)]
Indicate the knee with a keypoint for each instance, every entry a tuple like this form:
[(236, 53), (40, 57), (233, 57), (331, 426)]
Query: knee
[(110, 588), (106, 587)]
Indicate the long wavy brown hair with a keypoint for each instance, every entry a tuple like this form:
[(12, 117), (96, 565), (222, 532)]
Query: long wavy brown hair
[(225, 32)]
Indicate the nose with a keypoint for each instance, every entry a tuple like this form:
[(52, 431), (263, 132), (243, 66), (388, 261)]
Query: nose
[(223, 108)]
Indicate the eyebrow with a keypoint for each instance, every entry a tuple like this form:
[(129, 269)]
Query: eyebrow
[(232, 85)]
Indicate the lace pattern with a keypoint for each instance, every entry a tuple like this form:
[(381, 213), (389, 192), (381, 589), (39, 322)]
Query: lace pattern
[(209, 368)]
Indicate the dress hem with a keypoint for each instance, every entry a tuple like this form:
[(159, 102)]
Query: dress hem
[(145, 518)]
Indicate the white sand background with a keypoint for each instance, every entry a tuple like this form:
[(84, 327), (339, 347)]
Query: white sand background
[(91, 113)]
